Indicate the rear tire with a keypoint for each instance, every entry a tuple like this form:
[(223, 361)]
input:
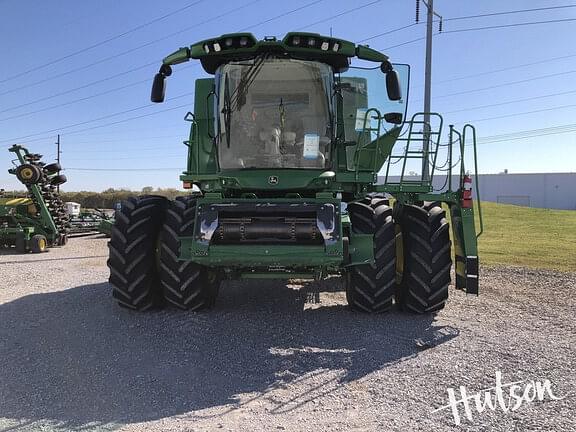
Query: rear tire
[(38, 244), (186, 285), (58, 180), (427, 259), (133, 253), (52, 168), (371, 287)]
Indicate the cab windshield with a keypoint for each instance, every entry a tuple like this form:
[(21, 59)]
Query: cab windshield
[(274, 113)]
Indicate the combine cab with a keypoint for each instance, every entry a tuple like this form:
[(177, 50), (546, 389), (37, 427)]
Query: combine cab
[(39, 221), (286, 143)]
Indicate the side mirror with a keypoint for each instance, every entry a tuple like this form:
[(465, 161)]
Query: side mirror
[(393, 86), (393, 118), (158, 88)]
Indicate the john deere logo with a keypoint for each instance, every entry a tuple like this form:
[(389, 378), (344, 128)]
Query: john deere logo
[(273, 180)]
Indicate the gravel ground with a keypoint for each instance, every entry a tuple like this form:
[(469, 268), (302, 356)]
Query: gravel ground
[(268, 358)]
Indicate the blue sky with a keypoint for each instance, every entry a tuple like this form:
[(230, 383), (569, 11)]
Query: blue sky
[(35, 106)]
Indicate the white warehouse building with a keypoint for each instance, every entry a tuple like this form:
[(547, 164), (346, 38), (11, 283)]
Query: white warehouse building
[(543, 190)]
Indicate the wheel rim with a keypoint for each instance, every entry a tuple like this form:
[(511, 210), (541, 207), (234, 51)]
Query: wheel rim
[(27, 173)]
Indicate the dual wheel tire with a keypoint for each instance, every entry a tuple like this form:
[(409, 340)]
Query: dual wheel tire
[(412, 257), (144, 268)]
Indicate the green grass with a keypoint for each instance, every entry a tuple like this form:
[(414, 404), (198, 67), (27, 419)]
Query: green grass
[(529, 237)]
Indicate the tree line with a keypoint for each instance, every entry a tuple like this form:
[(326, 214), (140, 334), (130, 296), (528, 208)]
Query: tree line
[(108, 198)]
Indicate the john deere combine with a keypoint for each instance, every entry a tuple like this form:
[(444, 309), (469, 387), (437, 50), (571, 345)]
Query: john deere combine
[(39, 221), (286, 142)]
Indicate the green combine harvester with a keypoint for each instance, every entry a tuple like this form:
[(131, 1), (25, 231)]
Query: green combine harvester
[(39, 221), (286, 143)]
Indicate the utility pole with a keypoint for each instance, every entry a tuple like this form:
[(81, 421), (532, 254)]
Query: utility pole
[(430, 13), (58, 158)]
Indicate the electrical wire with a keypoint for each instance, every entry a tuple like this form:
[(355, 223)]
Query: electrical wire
[(402, 44), (90, 84), (338, 15), (51, 107), (519, 114), (508, 68), (96, 119), (102, 42), (132, 50), (126, 72), (508, 12), (509, 25), (510, 102), (140, 46), (282, 15), (501, 85)]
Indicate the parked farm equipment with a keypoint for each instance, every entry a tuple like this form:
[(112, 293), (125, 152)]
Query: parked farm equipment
[(87, 221), (39, 221), (285, 145)]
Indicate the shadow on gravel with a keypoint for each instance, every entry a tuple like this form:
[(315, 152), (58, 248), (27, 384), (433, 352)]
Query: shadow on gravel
[(75, 358)]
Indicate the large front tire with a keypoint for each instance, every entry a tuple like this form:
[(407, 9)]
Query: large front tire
[(133, 253), (425, 276), (185, 284), (371, 287)]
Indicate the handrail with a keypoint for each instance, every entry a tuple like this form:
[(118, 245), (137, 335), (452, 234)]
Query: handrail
[(361, 147), (477, 181), (413, 136)]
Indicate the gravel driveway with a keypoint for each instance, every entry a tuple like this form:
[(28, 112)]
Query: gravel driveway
[(269, 358)]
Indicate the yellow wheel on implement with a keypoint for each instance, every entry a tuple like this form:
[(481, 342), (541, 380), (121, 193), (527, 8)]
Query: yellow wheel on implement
[(38, 244), (28, 174)]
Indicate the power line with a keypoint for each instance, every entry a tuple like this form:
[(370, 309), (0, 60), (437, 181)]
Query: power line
[(509, 12), (510, 102), (388, 32), (527, 134), (164, 156), (93, 120), (103, 42), (90, 84), (502, 85), (519, 114), (450, 80), (526, 137), (530, 133), (140, 47), (509, 25), (129, 71), (132, 50), (464, 18), (402, 44), (480, 28), (339, 15), (75, 100), (307, 5)]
